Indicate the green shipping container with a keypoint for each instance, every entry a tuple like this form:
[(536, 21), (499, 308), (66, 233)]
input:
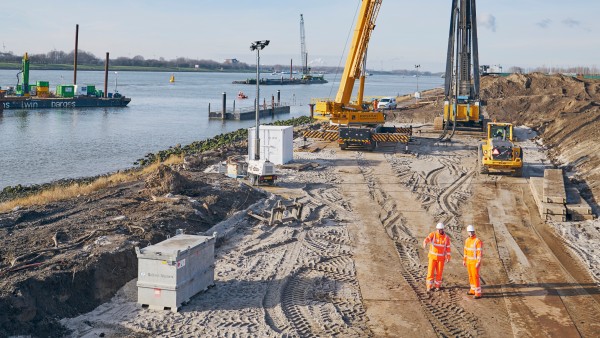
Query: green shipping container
[(91, 90), (99, 93), (43, 84), (65, 91)]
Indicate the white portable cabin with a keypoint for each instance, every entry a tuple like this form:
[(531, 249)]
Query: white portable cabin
[(276, 143)]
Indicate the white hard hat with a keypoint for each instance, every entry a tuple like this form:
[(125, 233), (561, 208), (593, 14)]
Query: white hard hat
[(470, 228), (440, 226)]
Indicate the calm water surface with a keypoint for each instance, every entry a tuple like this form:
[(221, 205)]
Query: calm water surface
[(39, 146)]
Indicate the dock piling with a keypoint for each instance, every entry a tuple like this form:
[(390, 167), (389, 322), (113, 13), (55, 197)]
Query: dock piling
[(224, 105)]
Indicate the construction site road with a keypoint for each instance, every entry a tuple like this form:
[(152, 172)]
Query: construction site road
[(354, 265)]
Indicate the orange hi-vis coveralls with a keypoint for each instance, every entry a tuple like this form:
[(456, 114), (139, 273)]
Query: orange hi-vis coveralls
[(439, 253), (472, 260)]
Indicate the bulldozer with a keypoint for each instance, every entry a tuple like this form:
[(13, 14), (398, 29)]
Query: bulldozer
[(498, 151)]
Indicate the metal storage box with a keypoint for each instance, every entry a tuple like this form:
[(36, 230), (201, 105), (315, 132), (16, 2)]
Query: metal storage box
[(276, 143), (173, 271)]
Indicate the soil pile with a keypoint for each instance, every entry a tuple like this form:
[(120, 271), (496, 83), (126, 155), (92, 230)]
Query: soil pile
[(68, 257), (165, 180), (565, 111)]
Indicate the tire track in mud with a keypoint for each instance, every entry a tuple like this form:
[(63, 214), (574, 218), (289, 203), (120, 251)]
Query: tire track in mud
[(446, 317), (322, 297)]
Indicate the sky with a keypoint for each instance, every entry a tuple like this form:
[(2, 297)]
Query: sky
[(524, 33)]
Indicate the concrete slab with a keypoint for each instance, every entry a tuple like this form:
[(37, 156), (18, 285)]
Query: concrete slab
[(536, 184), (576, 204), (554, 186)]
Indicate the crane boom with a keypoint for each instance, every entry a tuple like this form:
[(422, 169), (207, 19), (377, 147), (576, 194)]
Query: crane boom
[(360, 41), (342, 111), (303, 53)]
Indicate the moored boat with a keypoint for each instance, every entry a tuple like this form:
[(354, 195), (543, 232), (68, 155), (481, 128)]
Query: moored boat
[(20, 102)]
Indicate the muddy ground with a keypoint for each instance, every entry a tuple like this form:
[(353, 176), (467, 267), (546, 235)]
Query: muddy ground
[(353, 266)]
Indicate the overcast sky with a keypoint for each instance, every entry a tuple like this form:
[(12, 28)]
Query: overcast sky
[(526, 33)]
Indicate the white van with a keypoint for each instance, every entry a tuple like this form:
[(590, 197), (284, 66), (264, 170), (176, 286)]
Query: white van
[(387, 103)]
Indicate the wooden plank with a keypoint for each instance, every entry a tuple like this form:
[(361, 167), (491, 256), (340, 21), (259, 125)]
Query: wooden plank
[(576, 204), (554, 187)]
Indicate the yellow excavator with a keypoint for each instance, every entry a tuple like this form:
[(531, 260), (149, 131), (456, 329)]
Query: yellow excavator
[(462, 105), (498, 150), (342, 111)]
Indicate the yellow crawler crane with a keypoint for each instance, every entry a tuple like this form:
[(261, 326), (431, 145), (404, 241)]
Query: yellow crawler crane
[(498, 151), (342, 111)]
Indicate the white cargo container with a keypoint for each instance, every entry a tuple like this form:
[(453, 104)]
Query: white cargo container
[(174, 270), (276, 143), (80, 90)]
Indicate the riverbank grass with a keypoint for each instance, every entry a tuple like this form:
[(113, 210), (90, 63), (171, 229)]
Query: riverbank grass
[(77, 189)]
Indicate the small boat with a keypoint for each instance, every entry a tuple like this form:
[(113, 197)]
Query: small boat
[(172, 79), (241, 95)]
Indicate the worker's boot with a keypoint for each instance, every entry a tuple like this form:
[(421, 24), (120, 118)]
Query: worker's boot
[(476, 296)]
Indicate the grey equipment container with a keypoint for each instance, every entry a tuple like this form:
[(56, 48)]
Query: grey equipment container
[(174, 270)]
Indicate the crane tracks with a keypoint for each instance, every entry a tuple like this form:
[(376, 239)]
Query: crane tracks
[(441, 309)]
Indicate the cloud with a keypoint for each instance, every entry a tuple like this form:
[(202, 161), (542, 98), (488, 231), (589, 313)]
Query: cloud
[(571, 23), (488, 21), (544, 23)]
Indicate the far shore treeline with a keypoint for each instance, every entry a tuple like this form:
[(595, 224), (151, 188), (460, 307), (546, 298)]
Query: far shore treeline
[(59, 60)]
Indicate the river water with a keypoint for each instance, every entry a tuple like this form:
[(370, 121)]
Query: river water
[(40, 146)]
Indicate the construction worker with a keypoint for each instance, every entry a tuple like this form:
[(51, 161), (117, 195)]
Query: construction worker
[(439, 254), (472, 260)]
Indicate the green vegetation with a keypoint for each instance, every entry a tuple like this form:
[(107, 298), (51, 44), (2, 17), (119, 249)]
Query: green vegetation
[(213, 143), (19, 194)]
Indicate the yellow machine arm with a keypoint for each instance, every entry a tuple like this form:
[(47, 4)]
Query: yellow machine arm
[(341, 111)]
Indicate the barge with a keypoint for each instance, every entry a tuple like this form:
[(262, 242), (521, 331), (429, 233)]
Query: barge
[(20, 102), (307, 79)]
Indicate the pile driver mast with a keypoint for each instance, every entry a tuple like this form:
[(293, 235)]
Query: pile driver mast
[(461, 89), (342, 111)]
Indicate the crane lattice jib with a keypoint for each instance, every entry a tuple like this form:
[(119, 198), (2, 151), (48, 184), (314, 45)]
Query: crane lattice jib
[(360, 41), (303, 53)]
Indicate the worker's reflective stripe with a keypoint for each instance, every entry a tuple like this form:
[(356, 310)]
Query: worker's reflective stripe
[(472, 251), (439, 245), (436, 254)]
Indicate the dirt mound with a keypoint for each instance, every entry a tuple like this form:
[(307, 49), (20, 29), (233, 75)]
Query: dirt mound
[(565, 111), (165, 180), (66, 258)]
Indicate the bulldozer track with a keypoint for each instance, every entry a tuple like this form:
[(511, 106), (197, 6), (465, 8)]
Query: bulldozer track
[(444, 314), (326, 264)]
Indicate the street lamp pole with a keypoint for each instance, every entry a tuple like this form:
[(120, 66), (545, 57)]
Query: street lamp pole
[(257, 45), (417, 68)]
